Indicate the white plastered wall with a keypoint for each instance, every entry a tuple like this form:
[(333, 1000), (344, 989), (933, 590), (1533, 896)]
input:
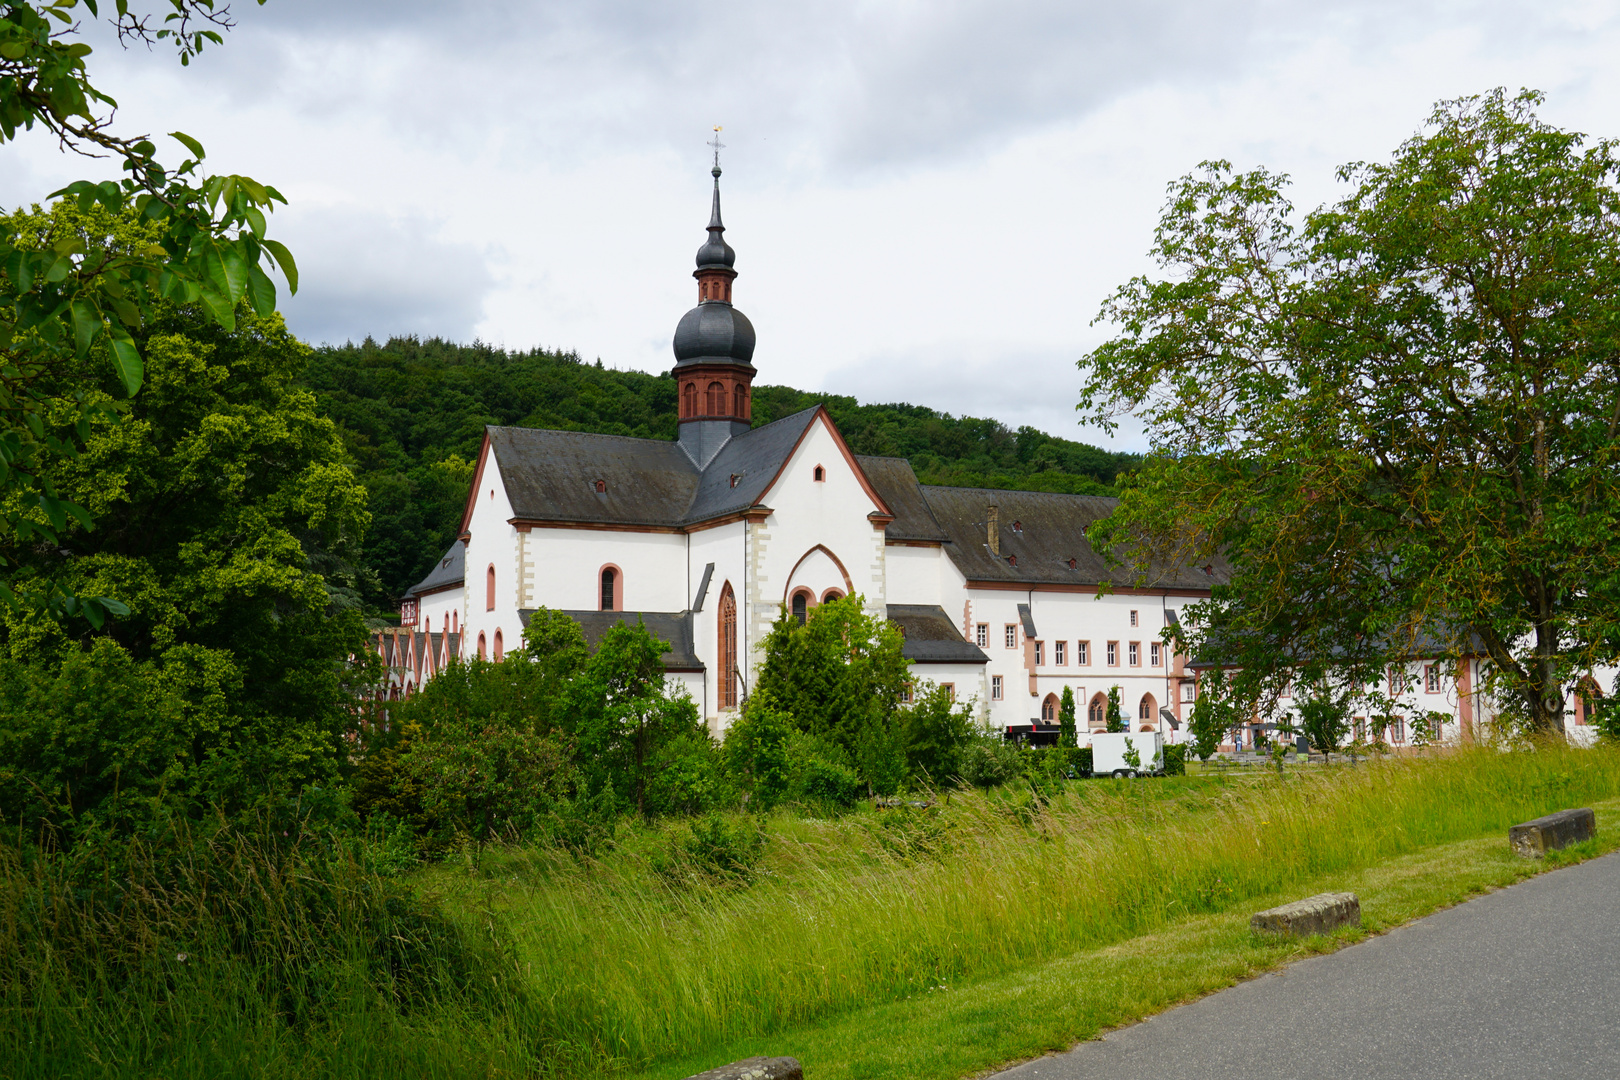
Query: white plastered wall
[(831, 513), (563, 568), (493, 543), (723, 546)]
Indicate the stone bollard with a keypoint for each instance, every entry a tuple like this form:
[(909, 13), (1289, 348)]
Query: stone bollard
[(1535, 838), (755, 1068), (1315, 915)]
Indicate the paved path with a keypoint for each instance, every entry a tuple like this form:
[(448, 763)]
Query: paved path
[(1523, 982)]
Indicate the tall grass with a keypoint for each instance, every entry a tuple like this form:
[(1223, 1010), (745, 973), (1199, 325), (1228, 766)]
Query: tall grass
[(859, 910), (235, 953)]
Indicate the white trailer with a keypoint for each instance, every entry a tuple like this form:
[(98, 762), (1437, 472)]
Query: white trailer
[(1108, 750)]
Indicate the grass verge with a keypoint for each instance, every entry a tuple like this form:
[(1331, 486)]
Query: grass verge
[(950, 1032)]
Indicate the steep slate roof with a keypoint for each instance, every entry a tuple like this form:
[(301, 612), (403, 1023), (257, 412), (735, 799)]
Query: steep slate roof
[(551, 475), (1051, 532), (931, 637), (897, 484), (450, 570), (674, 627)]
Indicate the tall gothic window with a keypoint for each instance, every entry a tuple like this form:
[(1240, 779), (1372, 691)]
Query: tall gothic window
[(500, 648), (728, 648), (739, 402), (610, 578), (689, 400), (717, 399), (489, 589)]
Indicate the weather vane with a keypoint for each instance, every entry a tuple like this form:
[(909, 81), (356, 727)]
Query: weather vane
[(717, 144)]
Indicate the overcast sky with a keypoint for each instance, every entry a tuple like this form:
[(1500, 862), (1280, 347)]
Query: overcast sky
[(928, 200)]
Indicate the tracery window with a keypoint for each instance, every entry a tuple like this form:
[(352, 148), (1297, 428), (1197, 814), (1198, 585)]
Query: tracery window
[(728, 648)]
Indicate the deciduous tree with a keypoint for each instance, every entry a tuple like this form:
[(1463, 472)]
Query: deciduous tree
[(1398, 418)]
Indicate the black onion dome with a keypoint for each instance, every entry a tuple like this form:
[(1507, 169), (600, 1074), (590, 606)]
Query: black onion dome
[(714, 332), (715, 251)]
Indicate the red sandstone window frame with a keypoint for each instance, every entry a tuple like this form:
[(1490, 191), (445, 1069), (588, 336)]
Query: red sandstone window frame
[(499, 652), (832, 594), (981, 635), (603, 587), (726, 625), (489, 588)]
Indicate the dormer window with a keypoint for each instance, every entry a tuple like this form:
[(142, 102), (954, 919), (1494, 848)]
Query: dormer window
[(601, 487), (734, 478), (1012, 560), (1074, 564), (1018, 527), (820, 474)]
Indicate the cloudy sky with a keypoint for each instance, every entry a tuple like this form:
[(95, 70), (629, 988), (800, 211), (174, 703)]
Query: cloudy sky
[(928, 200)]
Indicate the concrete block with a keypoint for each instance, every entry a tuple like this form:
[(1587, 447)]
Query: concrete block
[(1315, 915), (755, 1068), (1535, 838)]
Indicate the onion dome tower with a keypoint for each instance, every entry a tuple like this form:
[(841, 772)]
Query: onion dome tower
[(714, 347)]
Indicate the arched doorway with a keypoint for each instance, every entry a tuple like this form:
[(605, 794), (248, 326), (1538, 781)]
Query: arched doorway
[(1147, 711), (1049, 709), (727, 674)]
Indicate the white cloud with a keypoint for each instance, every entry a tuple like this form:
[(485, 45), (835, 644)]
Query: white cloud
[(928, 201)]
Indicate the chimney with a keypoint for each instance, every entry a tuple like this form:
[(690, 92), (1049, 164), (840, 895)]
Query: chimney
[(993, 527)]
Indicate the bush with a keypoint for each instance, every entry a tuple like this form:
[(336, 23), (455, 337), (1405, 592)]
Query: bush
[(719, 848), (990, 761), (824, 782), (688, 777), (1175, 759)]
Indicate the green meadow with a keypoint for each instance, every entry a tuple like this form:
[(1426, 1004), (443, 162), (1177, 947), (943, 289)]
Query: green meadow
[(936, 941)]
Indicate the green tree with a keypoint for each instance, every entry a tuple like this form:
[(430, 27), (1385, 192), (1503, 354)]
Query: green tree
[(79, 301), (1213, 715), (1396, 419), (1066, 728), (937, 729), (621, 714), (217, 493), (1325, 721), (841, 676), (1116, 718), (756, 751)]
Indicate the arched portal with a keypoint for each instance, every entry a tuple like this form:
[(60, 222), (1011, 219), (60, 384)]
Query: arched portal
[(1049, 709)]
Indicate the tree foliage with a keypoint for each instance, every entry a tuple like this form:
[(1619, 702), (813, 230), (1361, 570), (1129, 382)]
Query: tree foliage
[(1398, 419), (205, 245)]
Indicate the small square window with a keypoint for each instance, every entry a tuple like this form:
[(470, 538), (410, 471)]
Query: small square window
[(950, 690), (1082, 652), (1155, 654), (1133, 616), (905, 694), (1135, 652), (981, 635), (1040, 653), (1060, 653), (995, 688), (1113, 653), (1012, 635)]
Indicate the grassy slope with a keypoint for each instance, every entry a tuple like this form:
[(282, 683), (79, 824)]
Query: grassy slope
[(1046, 925)]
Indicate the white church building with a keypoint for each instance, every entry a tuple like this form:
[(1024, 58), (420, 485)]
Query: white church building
[(710, 538)]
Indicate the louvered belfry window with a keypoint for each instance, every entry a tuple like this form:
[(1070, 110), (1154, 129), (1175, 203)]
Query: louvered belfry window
[(717, 399), (728, 648)]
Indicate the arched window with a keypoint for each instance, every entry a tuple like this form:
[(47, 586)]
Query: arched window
[(832, 594), (728, 648), (1049, 709), (455, 622), (801, 606), (481, 654), (717, 399), (1146, 709), (689, 400), (610, 588), (489, 588), (1097, 714), (739, 401), (500, 647), (820, 474)]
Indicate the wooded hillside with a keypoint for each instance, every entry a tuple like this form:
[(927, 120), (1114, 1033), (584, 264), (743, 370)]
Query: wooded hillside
[(412, 413)]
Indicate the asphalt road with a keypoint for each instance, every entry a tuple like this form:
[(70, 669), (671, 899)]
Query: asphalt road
[(1523, 982)]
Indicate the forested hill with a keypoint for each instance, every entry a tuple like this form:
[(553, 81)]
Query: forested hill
[(413, 413)]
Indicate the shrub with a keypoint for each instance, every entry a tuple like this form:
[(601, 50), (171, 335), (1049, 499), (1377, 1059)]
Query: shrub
[(989, 761), (1175, 759), (1082, 760), (825, 782), (717, 847)]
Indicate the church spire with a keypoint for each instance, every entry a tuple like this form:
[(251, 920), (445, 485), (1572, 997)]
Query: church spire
[(714, 346)]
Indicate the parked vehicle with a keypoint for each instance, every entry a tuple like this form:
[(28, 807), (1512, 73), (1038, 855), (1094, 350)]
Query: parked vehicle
[(1108, 750)]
